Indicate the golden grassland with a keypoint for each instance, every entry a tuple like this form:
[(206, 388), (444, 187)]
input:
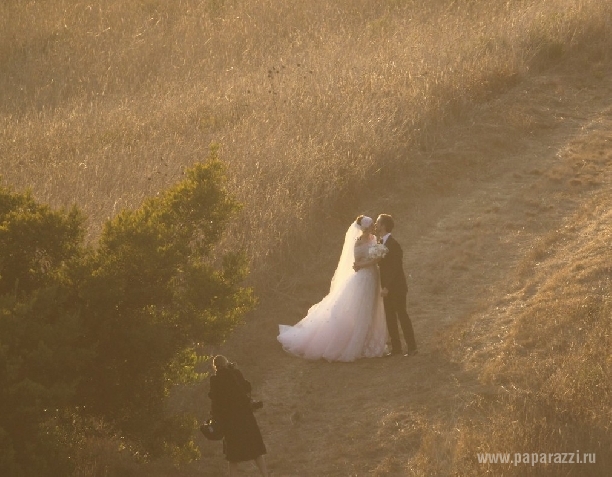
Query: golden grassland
[(316, 105), (105, 103), (509, 294), (540, 344)]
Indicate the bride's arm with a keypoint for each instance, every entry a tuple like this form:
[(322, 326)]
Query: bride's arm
[(367, 262), (358, 265)]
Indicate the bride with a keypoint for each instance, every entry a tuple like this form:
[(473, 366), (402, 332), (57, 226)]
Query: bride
[(349, 323)]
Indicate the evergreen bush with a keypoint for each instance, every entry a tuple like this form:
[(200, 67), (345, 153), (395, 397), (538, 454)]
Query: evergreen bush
[(102, 333)]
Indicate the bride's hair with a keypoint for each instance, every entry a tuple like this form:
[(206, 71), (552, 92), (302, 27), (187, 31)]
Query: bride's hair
[(363, 218)]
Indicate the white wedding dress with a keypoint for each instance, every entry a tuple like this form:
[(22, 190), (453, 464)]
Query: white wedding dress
[(349, 323)]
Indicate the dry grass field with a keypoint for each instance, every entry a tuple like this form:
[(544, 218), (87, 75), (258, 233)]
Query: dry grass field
[(106, 103), (485, 130), (509, 276)]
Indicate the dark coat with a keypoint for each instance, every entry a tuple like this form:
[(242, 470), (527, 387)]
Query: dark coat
[(231, 407), (392, 269)]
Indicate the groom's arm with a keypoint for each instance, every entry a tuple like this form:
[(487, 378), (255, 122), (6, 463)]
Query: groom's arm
[(396, 264)]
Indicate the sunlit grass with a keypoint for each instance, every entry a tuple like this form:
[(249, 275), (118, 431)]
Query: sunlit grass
[(106, 104)]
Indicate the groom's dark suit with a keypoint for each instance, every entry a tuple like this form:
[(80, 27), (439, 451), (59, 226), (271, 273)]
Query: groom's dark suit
[(393, 279)]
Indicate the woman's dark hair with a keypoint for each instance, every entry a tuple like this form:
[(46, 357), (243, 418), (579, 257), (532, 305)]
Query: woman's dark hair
[(220, 361), (387, 221), (358, 219)]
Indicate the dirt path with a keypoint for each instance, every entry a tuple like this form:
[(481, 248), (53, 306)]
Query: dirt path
[(477, 204)]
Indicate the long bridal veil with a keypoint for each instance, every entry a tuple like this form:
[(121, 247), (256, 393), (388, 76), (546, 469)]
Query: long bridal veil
[(347, 258)]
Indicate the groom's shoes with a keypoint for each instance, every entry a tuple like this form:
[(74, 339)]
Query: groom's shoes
[(411, 353), (392, 353)]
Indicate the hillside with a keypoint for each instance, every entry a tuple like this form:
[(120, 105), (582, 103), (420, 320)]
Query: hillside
[(483, 127), (509, 196)]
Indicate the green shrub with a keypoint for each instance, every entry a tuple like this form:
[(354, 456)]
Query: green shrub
[(150, 290), (102, 333)]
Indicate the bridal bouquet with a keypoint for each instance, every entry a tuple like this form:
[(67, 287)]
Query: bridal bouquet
[(377, 251)]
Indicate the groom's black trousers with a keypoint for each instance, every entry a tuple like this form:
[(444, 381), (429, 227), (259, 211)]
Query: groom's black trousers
[(395, 310)]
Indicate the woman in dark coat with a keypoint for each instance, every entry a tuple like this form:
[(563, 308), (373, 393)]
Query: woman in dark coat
[(231, 407)]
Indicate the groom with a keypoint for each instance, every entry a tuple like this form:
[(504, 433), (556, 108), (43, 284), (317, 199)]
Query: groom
[(394, 288)]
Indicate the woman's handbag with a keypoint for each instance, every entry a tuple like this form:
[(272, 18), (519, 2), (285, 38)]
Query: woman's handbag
[(212, 430)]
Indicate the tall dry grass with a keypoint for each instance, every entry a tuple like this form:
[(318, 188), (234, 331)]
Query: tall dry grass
[(555, 366), (546, 368), (103, 104)]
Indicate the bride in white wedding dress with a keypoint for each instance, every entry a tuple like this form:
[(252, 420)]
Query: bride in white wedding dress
[(349, 323)]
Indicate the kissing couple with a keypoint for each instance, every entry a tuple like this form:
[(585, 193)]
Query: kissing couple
[(366, 300)]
